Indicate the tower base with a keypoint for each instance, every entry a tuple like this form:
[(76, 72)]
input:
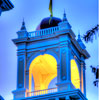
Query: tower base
[(75, 94)]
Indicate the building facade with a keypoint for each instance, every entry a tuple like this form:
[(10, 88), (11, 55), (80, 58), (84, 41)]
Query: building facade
[(51, 52)]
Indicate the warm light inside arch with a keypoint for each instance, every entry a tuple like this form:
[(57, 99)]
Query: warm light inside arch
[(75, 78), (43, 69)]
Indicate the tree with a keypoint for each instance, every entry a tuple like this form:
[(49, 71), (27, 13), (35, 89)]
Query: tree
[(90, 33), (87, 38), (95, 70)]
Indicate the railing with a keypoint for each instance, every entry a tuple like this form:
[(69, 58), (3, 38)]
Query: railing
[(41, 92), (43, 32)]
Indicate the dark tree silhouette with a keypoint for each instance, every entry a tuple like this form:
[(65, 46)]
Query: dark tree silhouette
[(87, 38), (90, 33), (95, 70)]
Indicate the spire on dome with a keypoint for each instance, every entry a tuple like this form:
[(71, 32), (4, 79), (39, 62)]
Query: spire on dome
[(64, 16), (23, 25)]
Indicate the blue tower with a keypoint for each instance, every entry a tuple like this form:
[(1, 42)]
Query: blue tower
[(47, 54)]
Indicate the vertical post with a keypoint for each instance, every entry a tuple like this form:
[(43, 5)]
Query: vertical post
[(64, 82), (20, 76), (58, 73), (21, 90), (25, 62), (68, 69), (82, 89), (30, 80), (27, 79), (83, 80), (63, 63), (50, 30)]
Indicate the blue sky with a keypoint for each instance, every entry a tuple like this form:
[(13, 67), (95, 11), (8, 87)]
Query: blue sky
[(81, 14)]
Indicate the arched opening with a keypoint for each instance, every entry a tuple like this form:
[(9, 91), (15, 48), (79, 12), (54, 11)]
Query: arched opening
[(75, 78), (52, 83), (43, 69)]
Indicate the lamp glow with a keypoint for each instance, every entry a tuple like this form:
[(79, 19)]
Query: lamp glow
[(43, 69), (75, 78)]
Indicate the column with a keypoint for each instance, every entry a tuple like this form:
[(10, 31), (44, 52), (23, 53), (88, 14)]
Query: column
[(63, 63), (20, 72), (83, 80), (58, 73), (82, 89), (27, 79), (70, 86), (68, 69), (65, 70), (21, 90)]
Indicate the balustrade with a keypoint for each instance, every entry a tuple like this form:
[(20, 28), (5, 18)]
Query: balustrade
[(43, 32), (41, 92)]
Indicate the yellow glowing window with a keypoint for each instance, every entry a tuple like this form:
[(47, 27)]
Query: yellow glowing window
[(75, 78), (43, 69)]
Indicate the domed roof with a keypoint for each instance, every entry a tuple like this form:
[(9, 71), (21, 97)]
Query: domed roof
[(49, 22)]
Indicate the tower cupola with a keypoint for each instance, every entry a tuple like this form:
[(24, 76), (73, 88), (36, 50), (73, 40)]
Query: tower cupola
[(51, 62)]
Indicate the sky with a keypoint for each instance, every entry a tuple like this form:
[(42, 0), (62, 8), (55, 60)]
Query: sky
[(82, 16)]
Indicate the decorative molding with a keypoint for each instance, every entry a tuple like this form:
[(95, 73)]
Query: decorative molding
[(42, 51)]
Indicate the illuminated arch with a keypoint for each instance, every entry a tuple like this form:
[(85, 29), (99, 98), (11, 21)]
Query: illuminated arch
[(43, 69), (75, 78)]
